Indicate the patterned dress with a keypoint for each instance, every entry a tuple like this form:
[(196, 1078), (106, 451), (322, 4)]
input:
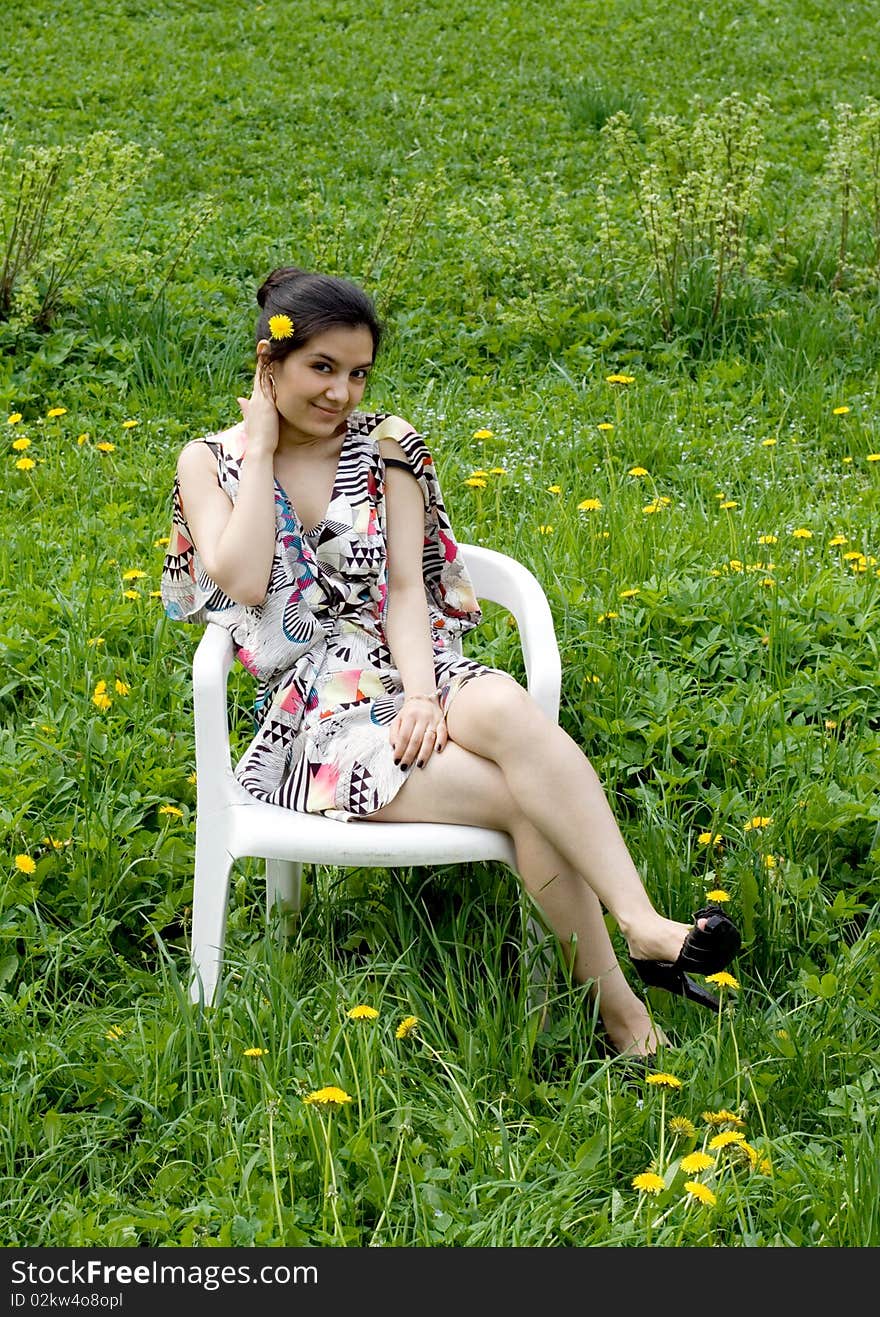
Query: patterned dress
[(327, 687)]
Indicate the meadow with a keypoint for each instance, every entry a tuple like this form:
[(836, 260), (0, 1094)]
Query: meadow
[(628, 260)]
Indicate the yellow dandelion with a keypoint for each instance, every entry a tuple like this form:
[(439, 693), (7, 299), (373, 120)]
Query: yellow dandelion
[(637, 471), (161, 542), (363, 1013), (171, 809), (100, 698), (710, 839), (254, 1051), (406, 1026), (481, 475), (722, 979), (873, 457), (545, 530), (131, 594), (129, 425), (590, 505), (846, 459), (25, 464), (759, 821), (605, 616), (768, 443), (837, 541), (726, 1138), (155, 594), (114, 1033), (735, 565), (95, 640), (663, 1080), (21, 444), (280, 326), (620, 379), (14, 418), (723, 1117), (105, 447), (122, 687), (331, 1096), (802, 533), (483, 434), (191, 779), (768, 539), (475, 482), (56, 411), (852, 556), (554, 489), (682, 1128), (839, 411), (497, 471), (648, 1183), (729, 503), (765, 1166), (769, 861), (696, 1162), (604, 425), (24, 864), (630, 594), (133, 574), (82, 438), (718, 895), (701, 1192)]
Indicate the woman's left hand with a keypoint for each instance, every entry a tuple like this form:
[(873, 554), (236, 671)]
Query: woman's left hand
[(418, 730)]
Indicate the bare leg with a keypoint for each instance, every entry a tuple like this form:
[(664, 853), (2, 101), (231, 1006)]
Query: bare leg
[(458, 786), (556, 788)]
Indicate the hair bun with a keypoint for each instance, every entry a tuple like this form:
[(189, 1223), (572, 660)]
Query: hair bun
[(283, 275)]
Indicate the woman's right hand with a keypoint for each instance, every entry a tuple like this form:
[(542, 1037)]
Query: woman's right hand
[(260, 414)]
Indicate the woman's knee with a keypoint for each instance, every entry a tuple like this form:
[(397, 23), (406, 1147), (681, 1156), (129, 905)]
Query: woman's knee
[(491, 714)]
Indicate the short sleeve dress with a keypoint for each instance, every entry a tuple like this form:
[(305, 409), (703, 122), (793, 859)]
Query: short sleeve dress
[(327, 688)]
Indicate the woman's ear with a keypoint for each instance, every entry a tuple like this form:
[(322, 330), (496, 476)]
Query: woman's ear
[(263, 349)]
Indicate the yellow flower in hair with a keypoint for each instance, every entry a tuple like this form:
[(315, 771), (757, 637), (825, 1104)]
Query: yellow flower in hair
[(281, 326)]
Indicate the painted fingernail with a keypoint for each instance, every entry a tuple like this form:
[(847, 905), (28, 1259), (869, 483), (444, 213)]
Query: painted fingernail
[(397, 763), (419, 764)]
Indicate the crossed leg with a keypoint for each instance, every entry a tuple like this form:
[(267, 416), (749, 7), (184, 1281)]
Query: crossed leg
[(508, 766)]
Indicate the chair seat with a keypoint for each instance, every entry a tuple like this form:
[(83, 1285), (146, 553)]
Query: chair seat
[(274, 833)]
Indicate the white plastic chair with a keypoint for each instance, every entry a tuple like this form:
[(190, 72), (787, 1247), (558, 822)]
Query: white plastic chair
[(231, 823)]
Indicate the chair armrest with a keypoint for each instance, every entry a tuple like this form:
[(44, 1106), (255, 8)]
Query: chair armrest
[(501, 579)]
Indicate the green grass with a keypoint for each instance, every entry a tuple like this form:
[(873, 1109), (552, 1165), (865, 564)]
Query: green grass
[(453, 154)]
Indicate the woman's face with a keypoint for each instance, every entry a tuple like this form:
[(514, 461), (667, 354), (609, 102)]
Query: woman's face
[(319, 384)]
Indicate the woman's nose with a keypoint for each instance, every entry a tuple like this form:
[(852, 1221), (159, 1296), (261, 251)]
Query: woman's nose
[(337, 387)]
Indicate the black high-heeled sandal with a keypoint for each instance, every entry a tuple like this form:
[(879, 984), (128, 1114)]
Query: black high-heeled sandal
[(704, 951)]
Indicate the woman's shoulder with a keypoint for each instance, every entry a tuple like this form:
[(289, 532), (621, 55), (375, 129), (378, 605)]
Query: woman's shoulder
[(228, 443), (382, 425)]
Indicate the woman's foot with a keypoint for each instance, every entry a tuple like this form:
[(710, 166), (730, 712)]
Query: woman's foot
[(625, 1018), (662, 940), (636, 1035)]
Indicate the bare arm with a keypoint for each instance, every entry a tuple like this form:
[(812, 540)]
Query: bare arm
[(419, 727), (236, 542)]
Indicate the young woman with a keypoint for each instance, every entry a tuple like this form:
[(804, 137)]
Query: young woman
[(318, 535)]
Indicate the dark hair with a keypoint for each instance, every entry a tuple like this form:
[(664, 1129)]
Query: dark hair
[(314, 303)]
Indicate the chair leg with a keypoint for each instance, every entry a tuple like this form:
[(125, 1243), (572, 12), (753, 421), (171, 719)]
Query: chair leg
[(210, 901), (283, 891)]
